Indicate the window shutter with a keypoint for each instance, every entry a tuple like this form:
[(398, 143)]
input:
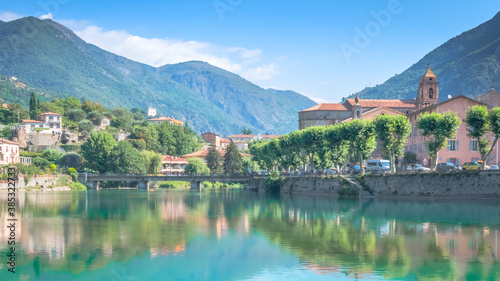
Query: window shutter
[(471, 145), (457, 162), (458, 147), (448, 146), (448, 160)]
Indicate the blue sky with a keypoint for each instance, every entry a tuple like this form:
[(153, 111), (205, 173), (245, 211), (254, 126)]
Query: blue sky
[(323, 49)]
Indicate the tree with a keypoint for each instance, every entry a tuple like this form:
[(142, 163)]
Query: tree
[(232, 159), (437, 128), (361, 137), (70, 160), (76, 115), (214, 160), (147, 133), (123, 118), (96, 117), (51, 107), (126, 159), (85, 127), (250, 166), (196, 166), (311, 142), (52, 155), (409, 158), (34, 106), (246, 131), (392, 132), (41, 162), (479, 122), (152, 161), (339, 148), (97, 152)]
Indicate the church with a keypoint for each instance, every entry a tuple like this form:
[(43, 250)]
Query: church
[(325, 114), (459, 150)]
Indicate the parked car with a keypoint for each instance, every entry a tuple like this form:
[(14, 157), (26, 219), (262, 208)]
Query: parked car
[(331, 171), (378, 166), (355, 170), (417, 168), (473, 165), (445, 167), (494, 167)]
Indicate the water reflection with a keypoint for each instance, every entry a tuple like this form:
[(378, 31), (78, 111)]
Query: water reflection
[(236, 235)]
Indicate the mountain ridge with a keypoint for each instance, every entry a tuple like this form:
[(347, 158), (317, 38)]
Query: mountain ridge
[(467, 64), (49, 56)]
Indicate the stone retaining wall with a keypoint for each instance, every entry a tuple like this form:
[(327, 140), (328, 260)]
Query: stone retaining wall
[(42, 181), (465, 184), (311, 185)]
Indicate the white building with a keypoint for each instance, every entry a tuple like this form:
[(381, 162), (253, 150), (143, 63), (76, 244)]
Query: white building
[(161, 120), (9, 152), (151, 111), (49, 123)]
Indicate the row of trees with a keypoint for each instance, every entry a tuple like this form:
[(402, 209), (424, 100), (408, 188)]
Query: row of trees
[(333, 146)]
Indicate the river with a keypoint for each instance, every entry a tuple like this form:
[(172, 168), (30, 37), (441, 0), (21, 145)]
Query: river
[(238, 235)]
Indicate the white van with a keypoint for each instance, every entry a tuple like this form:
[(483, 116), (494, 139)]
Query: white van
[(378, 166)]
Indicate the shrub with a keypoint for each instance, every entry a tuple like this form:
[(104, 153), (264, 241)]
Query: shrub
[(273, 185), (175, 184), (70, 159), (77, 186), (53, 167)]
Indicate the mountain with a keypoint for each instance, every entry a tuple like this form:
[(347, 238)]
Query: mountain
[(50, 57), (468, 64)]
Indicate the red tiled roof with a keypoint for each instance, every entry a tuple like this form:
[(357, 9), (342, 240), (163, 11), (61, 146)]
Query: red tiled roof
[(209, 133), (241, 136), (270, 136), (32, 121), (161, 119), (225, 141), (169, 158), (48, 113), (204, 153), (327, 106), (2, 140), (107, 117), (383, 103)]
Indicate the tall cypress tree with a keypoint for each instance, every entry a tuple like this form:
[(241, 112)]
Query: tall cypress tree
[(34, 106), (232, 160), (214, 160)]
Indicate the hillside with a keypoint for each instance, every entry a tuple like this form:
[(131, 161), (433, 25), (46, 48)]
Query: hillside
[(50, 57), (468, 64)]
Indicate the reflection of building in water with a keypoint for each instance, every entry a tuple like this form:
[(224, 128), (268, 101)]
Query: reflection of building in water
[(178, 248), (5, 231), (173, 210), (45, 237), (221, 227)]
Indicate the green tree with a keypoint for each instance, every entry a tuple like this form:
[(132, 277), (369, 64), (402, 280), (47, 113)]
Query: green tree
[(152, 161), (52, 155), (41, 162), (479, 123), (361, 137), (96, 117), (246, 131), (70, 160), (147, 133), (76, 115), (409, 158), (196, 166), (339, 148), (97, 152), (34, 106), (14, 114), (232, 159), (51, 107), (311, 142), (392, 132), (126, 159), (437, 128), (214, 160), (123, 119), (85, 127), (249, 165)]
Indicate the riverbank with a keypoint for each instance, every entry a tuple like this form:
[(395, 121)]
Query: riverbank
[(462, 184)]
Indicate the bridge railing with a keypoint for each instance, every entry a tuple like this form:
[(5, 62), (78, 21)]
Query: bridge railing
[(161, 175)]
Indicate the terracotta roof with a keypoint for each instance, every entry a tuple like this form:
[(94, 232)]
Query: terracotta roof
[(2, 140), (161, 119), (492, 91), (204, 153), (375, 110), (209, 133), (32, 121), (443, 102), (107, 117), (384, 103), (429, 73), (169, 158), (225, 141), (327, 106), (241, 136), (48, 113), (270, 136)]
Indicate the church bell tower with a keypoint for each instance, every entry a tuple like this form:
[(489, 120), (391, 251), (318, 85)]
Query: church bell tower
[(428, 89)]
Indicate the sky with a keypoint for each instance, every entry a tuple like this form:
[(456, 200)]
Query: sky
[(325, 50)]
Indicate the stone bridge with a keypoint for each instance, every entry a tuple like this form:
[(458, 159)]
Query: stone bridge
[(93, 180)]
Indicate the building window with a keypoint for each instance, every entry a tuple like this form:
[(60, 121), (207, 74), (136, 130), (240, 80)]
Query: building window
[(452, 145), (431, 93), (473, 145)]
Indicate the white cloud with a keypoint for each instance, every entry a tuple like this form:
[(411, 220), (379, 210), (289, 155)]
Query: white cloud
[(47, 16), (7, 16), (264, 72)]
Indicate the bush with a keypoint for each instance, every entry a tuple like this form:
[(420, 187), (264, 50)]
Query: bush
[(77, 186), (73, 173), (273, 185), (53, 167), (41, 162), (174, 184), (70, 160), (52, 155)]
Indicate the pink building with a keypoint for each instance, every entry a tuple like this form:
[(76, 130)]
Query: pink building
[(9, 152), (459, 150), (172, 165)]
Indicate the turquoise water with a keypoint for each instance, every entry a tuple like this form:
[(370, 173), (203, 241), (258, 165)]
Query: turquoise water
[(237, 235)]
